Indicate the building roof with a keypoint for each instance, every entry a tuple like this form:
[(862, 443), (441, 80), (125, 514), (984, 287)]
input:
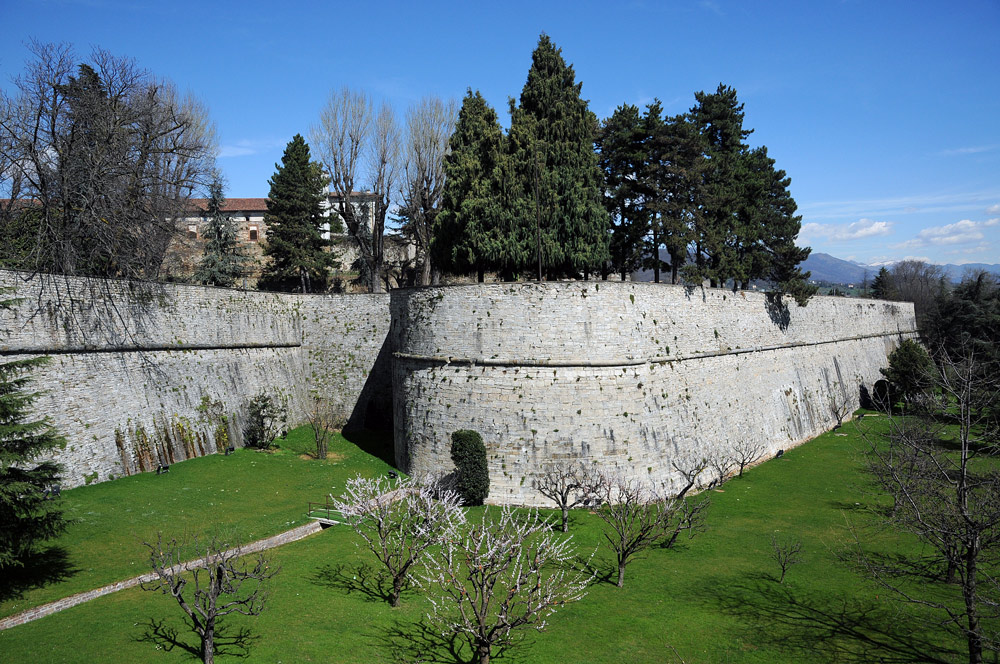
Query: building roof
[(256, 204)]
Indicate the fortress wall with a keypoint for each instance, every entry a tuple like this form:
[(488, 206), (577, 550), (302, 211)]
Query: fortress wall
[(624, 376), (143, 374)]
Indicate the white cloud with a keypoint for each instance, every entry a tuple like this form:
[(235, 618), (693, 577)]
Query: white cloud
[(993, 209), (974, 149), (846, 232), (961, 232), (248, 146), (992, 222)]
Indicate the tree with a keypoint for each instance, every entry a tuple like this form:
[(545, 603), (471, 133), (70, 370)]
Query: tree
[(27, 516), (360, 145), (946, 492), (882, 285), (98, 160), (567, 485), (471, 469), (322, 423), (505, 574), (225, 583), (551, 145), (299, 254), (429, 124), (265, 418), (224, 261), (399, 521), (920, 283), (910, 371), (622, 145), (745, 453), (636, 516), (467, 233)]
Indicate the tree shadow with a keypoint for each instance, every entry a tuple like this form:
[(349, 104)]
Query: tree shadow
[(37, 570), (229, 641), (602, 571), (374, 584), (421, 642), (777, 310), (826, 628)]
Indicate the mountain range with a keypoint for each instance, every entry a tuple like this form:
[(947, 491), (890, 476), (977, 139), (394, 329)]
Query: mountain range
[(825, 267)]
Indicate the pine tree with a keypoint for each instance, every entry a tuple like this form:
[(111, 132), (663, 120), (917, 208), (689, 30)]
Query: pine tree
[(224, 261), (882, 288), (26, 516), (466, 234), (294, 218), (622, 146), (551, 146), (719, 119)]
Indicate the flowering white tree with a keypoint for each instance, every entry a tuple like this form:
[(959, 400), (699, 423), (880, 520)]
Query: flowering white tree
[(399, 520), (506, 573)]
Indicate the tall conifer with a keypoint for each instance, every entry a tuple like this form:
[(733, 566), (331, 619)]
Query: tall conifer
[(466, 235), (295, 221), (224, 261), (551, 143)]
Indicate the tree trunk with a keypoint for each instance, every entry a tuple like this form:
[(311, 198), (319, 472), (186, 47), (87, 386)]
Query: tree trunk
[(483, 652), (621, 574), (208, 644), (565, 520), (425, 272), (974, 632), (397, 589)]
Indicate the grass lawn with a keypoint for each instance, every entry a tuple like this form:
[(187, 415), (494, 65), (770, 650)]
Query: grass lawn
[(710, 599)]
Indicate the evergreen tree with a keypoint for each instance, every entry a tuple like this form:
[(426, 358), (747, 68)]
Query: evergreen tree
[(718, 117), (224, 261), (622, 146), (882, 285), (295, 244), (555, 170), (467, 231), (26, 516)]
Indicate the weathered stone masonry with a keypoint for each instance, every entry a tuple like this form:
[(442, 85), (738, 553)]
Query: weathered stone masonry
[(131, 364), (625, 376), (629, 376)]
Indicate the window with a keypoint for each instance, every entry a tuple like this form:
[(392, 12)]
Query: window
[(192, 231), (253, 232)]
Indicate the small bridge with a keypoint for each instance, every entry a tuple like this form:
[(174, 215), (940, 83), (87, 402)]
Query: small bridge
[(325, 513)]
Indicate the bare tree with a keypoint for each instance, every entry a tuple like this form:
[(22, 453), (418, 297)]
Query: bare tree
[(99, 159), (323, 422), (359, 147), (429, 125), (506, 573), (399, 521), (946, 492), (224, 582), (746, 452), (637, 516), (567, 485), (785, 552)]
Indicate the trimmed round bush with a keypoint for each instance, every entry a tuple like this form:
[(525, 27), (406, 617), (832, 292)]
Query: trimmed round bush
[(473, 476)]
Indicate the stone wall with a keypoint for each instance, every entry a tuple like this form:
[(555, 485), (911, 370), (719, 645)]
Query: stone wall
[(142, 374), (635, 377)]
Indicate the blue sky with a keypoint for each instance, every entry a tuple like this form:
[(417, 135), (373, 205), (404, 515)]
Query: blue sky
[(886, 115)]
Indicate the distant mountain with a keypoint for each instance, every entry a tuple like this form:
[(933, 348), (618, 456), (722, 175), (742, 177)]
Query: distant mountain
[(825, 267)]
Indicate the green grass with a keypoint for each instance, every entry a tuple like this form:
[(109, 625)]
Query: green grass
[(710, 599), (247, 495)]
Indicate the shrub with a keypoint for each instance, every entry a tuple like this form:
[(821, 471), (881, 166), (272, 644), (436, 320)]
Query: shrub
[(265, 418), (473, 475)]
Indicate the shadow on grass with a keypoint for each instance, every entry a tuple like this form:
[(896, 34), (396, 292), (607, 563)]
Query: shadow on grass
[(48, 566), (825, 627), (376, 443), (228, 642), (374, 584), (421, 642)]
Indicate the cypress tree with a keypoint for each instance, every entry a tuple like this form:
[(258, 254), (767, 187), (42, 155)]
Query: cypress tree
[(466, 235), (294, 219), (224, 261), (551, 145)]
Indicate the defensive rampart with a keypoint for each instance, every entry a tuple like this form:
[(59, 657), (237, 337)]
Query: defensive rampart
[(146, 374), (634, 377)]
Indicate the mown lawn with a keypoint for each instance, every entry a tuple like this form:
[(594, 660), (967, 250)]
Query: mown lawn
[(710, 599)]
